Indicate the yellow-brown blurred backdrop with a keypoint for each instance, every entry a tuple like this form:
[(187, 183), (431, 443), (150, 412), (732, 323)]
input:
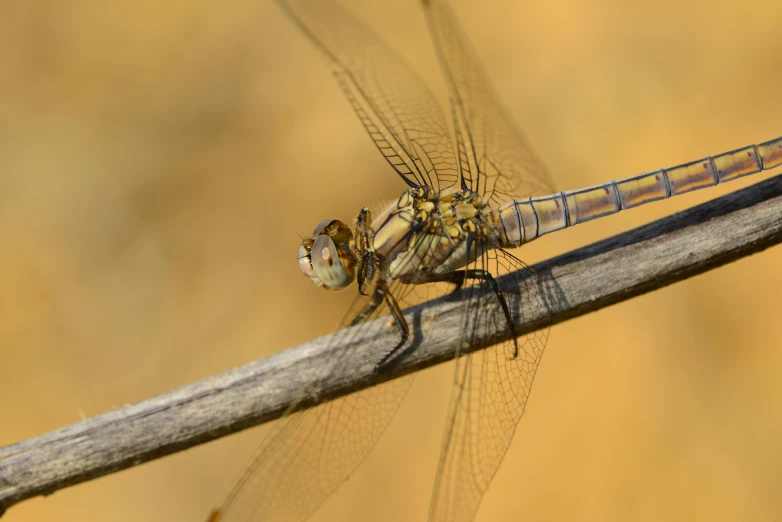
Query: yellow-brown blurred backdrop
[(158, 159)]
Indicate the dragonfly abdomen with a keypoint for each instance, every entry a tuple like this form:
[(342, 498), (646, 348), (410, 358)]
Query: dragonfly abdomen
[(520, 221)]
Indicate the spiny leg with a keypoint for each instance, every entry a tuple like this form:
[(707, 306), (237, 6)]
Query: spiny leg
[(399, 319), (366, 266), (382, 293), (457, 277), (377, 298)]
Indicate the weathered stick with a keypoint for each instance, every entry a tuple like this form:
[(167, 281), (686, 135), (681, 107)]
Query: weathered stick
[(579, 282)]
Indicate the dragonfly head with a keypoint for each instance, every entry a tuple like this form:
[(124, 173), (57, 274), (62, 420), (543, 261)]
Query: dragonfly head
[(327, 258)]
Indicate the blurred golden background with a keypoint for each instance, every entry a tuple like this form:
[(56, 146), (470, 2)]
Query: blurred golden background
[(157, 161)]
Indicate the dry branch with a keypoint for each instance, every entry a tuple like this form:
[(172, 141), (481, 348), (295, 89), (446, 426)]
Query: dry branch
[(579, 282)]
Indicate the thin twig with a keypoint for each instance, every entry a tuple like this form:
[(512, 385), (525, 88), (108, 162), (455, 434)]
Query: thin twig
[(579, 282)]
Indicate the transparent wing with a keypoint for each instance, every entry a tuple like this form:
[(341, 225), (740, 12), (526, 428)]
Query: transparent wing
[(492, 387), (399, 112), (310, 454), (494, 158)]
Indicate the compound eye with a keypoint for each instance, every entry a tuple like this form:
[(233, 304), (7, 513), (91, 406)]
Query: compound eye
[(335, 229), (332, 264), (321, 226)]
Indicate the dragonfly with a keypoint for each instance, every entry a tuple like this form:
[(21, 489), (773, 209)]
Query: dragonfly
[(474, 191)]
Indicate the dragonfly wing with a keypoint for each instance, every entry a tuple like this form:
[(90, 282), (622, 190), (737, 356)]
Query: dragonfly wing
[(310, 454), (494, 158), (398, 111), (492, 386)]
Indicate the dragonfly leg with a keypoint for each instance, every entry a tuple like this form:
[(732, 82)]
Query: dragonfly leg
[(399, 319), (458, 278), (366, 265), (377, 299)]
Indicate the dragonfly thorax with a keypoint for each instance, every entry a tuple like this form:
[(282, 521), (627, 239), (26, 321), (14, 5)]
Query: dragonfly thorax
[(427, 233)]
